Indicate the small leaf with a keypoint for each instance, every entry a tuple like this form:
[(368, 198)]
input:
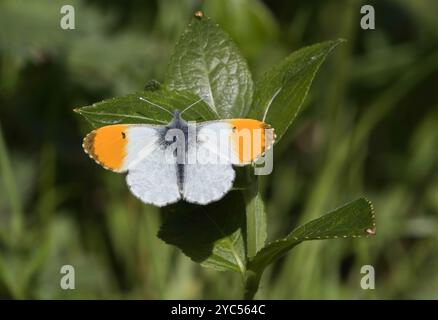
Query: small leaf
[(280, 93), (152, 85), (131, 109), (211, 235), (353, 220), (207, 62)]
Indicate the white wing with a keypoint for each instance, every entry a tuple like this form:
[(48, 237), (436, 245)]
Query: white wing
[(143, 140), (154, 179), (152, 173), (207, 176), (216, 137), (136, 149)]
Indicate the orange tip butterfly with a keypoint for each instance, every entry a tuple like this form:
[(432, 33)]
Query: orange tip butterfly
[(180, 160)]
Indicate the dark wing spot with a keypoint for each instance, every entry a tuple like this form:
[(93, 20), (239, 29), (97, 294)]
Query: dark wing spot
[(123, 135)]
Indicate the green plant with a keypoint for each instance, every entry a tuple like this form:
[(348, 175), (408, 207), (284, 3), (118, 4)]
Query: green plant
[(230, 235)]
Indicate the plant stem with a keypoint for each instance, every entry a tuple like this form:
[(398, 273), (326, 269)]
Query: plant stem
[(255, 215), (255, 230), (251, 218), (252, 280)]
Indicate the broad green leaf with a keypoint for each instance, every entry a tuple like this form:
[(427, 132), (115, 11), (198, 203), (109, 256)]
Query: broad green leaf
[(353, 220), (255, 219), (131, 109), (207, 62), (211, 235), (280, 93)]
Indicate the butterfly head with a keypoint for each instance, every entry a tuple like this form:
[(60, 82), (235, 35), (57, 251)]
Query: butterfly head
[(176, 114), (177, 120)]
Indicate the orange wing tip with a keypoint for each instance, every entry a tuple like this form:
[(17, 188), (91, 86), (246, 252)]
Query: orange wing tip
[(87, 145), (107, 146), (268, 139), (271, 144)]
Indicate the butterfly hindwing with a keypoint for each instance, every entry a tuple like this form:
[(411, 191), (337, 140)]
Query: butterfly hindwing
[(207, 179), (154, 179)]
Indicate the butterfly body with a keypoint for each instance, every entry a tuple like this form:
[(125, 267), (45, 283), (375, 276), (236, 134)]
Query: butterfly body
[(177, 123), (180, 160)]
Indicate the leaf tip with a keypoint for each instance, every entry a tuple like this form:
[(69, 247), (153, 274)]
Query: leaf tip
[(77, 110), (199, 14), (337, 42), (371, 231)]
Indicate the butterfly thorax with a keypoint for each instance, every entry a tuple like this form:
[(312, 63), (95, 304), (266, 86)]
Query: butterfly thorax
[(176, 128)]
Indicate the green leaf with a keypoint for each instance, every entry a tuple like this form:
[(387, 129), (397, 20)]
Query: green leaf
[(280, 93), (211, 235), (353, 220), (130, 109), (207, 62)]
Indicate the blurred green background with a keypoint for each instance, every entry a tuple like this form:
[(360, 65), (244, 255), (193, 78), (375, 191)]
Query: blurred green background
[(370, 128)]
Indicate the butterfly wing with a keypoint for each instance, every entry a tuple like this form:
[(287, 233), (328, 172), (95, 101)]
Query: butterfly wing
[(220, 145), (154, 179), (136, 149), (237, 141), (117, 147), (206, 180)]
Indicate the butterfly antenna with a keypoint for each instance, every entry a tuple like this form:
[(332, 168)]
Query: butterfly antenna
[(156, 105), (194, 103)]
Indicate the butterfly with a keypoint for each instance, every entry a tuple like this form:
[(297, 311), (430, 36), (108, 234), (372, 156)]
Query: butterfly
[(181, 160)]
